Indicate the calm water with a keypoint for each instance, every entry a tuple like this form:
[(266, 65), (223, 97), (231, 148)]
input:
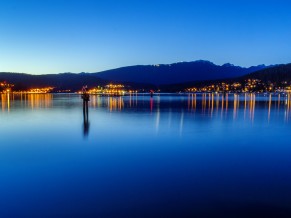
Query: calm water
[(197, 155)]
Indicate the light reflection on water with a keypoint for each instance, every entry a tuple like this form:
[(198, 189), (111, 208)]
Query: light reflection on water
[(32, 101), (194, 155), (208, 103), (235, 106)]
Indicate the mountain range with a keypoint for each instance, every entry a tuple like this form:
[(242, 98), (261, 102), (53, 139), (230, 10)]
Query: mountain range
[(150, 76), (164, 74), (276, 74)]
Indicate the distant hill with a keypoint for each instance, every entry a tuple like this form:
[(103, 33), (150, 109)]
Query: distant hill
[(63, 81), (277, 74), (175, 73), (171, 77)]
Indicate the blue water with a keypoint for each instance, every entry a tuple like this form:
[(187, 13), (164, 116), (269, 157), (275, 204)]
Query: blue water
[(196, 155)]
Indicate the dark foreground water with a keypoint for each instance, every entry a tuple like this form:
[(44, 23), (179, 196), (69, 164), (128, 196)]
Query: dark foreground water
[(197, 155)]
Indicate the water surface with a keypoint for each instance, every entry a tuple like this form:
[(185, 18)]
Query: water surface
[(196, 155)]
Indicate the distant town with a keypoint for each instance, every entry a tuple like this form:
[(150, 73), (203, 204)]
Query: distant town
[(110, 89), (247, 86)]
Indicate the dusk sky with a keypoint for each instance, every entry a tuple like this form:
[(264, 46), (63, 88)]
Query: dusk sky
[(55, 36)]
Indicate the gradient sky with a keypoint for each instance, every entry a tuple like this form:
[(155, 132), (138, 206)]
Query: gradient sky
[(54, 36)]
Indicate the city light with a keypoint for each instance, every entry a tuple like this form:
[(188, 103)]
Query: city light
[(110, 89), (39, 90), (247, 86)]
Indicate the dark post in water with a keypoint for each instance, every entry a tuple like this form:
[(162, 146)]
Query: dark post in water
[(86, 97)]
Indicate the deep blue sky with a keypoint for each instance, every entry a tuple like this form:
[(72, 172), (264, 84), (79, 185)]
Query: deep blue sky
[(53, 36)]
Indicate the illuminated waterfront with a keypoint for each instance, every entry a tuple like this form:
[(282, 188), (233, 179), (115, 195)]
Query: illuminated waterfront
[(200, 155)]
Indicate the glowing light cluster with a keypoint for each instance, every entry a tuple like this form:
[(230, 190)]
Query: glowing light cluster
[(5, 87), (39, 90), (249, 85), (110, 89)]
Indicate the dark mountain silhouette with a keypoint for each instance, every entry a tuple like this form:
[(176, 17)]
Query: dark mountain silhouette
[(175, 73), (172, 77), (276, 74), (63, 81)]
